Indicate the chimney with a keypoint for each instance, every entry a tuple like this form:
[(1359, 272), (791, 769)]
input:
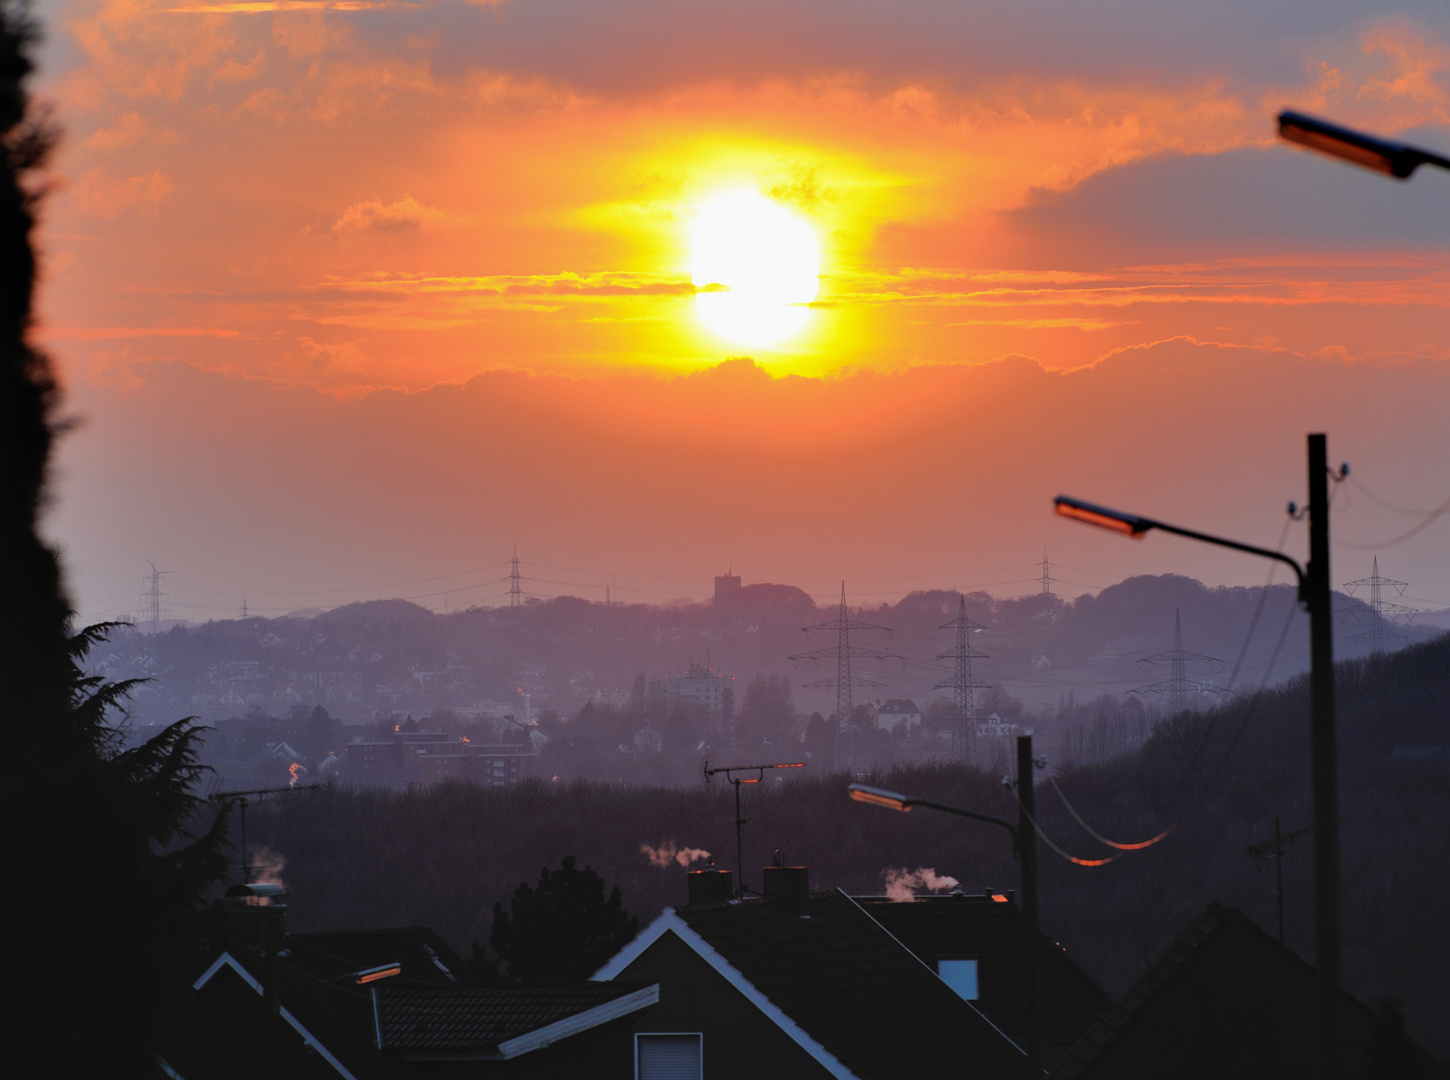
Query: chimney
[(254, 915), (789, 885), (708, 886)]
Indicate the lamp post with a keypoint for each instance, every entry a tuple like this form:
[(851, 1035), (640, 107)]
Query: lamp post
[(1382, 155), (1024, 848), (1314, 594)]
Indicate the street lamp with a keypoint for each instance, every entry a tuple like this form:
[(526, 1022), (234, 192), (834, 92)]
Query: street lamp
[(1314, 594), (1391, 158), (1024, 848)]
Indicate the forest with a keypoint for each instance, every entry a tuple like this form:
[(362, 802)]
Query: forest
[(1216, 781)]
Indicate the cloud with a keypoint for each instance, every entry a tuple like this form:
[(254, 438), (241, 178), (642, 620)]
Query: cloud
[(129, 129), (798, 185), (407, 215), (100, 193)]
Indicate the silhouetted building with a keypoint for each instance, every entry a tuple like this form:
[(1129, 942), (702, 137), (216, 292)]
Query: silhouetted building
[(974, 943), (1225, 999), (429, 757), (801, 985), (702, 686), (726, 585), (898, 712), (389, 1003)]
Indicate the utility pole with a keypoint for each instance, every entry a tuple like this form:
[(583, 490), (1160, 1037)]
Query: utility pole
[(516, 594), (1324, 778), (1314, 594), (962, 684), (1027, 843), (845, 678), (1046, 573)]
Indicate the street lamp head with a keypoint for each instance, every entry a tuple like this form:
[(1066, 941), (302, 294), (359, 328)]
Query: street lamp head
[(1101, 516), (1383, 156), (880, 797)]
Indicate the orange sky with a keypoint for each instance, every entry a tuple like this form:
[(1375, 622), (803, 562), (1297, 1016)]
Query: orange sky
[(360, 292)]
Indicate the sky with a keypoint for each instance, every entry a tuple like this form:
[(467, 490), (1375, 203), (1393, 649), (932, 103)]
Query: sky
[(350, 296)]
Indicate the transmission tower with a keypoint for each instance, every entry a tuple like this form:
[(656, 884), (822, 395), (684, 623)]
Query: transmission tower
[(1178, 686), (1046, 573), (153, 599), (845, 678), (516, 592), (1381, 612), (962, 685)]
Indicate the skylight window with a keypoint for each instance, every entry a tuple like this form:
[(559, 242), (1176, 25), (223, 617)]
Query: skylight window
[(960, 975)]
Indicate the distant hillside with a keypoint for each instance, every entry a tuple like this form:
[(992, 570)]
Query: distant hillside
[(378, 659), (443, 857)]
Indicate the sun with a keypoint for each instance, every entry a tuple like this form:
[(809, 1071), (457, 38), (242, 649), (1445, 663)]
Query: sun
[(757, 266)]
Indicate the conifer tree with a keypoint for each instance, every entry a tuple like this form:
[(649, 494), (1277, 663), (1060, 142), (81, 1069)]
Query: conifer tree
[(101, 875)]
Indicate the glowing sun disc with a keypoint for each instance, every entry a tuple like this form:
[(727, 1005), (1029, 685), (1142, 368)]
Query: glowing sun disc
[(759, 265)]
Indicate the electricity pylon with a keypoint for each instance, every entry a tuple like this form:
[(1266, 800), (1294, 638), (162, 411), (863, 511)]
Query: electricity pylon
[(962, 684), (843, 653), (153, 598), (516, 592), (1178, 686), (1381, 613)]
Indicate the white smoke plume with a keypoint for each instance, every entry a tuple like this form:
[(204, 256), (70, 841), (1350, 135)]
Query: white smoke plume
[(901, 885), (267, 866), (669, 852)]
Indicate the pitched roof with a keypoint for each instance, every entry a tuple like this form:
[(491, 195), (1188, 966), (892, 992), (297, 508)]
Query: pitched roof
[(936, 927), (845, 983), (423, 955), (497, 1021), (217, 1035), (1226, 999), (420, 1012), (898, 705)]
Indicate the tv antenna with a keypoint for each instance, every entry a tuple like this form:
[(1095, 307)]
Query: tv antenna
[(759, 771), (243, 800)]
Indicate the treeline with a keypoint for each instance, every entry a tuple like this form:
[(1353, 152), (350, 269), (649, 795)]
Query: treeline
[(445, 856)]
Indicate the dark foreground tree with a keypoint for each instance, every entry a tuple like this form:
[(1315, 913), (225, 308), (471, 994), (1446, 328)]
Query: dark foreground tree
[(100, 877), (563, 929)]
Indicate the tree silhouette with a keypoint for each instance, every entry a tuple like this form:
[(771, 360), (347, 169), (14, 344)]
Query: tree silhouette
[(563, 929), (103, 871)]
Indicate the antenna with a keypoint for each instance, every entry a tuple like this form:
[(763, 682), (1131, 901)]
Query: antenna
[(962, 685), (843, 653), (759, 771), (1178, 686)]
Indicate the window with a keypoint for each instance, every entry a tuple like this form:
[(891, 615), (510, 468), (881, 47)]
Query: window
[(669, 1057), (960, 975)]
